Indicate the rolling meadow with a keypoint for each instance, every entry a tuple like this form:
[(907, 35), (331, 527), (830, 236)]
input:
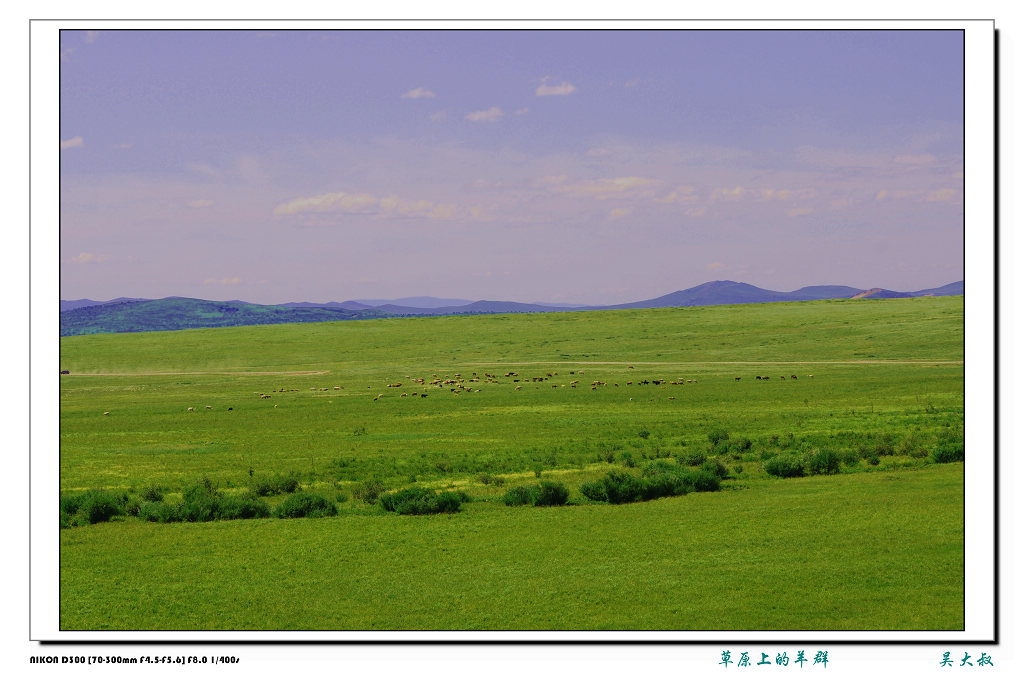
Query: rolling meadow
[(793, 466)]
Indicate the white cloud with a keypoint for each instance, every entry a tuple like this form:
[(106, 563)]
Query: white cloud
[(523, 111), (796, 212), (619, 213), (546, 90), (419, 93), (90, 36), (714, 265), (440, 115), (66, 52), (71, 143), (681, 194), (200, 203), (226, 281), (385, 207), (940, 195), (490, 115)]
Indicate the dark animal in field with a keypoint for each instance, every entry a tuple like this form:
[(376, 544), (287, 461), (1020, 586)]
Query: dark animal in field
[(793, 377), (757, 377), (209, 408), (231, 408), (65, 372), (782, 377), (424, 395), (737, 379)]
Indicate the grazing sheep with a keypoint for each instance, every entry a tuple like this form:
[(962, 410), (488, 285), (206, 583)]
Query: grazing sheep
[(209, 408), (106, 413), (737, 379), (793, 377), (190, 409)]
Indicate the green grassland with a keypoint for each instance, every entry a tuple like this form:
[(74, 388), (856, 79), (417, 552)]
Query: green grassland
[(877, 547)]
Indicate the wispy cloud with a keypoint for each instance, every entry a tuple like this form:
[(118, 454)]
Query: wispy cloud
[(523, 111), (714, 265), (72, 143), (489, 116), (90, 36), (200, 203), (419, 93), (611, 187), (439, 115), (545, 90), (796, 212), (940, 195), (618, 213), (380, 207), (83, 258)]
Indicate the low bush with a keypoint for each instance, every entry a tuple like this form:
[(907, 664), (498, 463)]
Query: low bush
[(520, 495), (784, 465), (152, 494), (823, 462), (306, 504), (99, 506), (595, 491), (158, 511), (420, 501), (850, 458), (948, 452), (551, 493), (743, 444), (715, 467), (272, 486), (694, 458), (717, 436), (368, 491), (702, 480), (621, 487), (244, 506)]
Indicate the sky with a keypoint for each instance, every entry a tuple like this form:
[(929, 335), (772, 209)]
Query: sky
[(588, 167)]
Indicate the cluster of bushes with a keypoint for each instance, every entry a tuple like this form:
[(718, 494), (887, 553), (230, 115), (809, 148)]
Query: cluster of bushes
[(948, 452), (305, 504), (543, 494), (420, 501), (94, 506), (657, 480), (369, 491), (272, 486), (203, 503)]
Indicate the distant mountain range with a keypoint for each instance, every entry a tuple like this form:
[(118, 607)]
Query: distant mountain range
[(124, 315)]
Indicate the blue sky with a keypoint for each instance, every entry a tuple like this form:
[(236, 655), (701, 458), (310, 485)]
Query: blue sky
[(580, 166)]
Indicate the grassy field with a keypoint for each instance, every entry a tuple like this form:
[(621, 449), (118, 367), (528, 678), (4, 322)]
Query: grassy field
[(876, 547)]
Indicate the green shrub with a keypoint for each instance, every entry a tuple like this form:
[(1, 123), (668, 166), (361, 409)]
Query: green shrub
[(420, 501), (715, 467), (595, 491), (850, 458), (738, 468), (784, 465), (948, 452), (369, 490), (97, 506), (694, 457), (717, 436), (520, 495), (644, 433), (873, 460), (743, 444), (341, 496), (551, 493), (199, 503), (69, 505), (701, 480), (621, 487), (627, 459), (272, 486), (306, 504), (662, 485), (244, 506), (152, 494), (158, 511), (823, 462)]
